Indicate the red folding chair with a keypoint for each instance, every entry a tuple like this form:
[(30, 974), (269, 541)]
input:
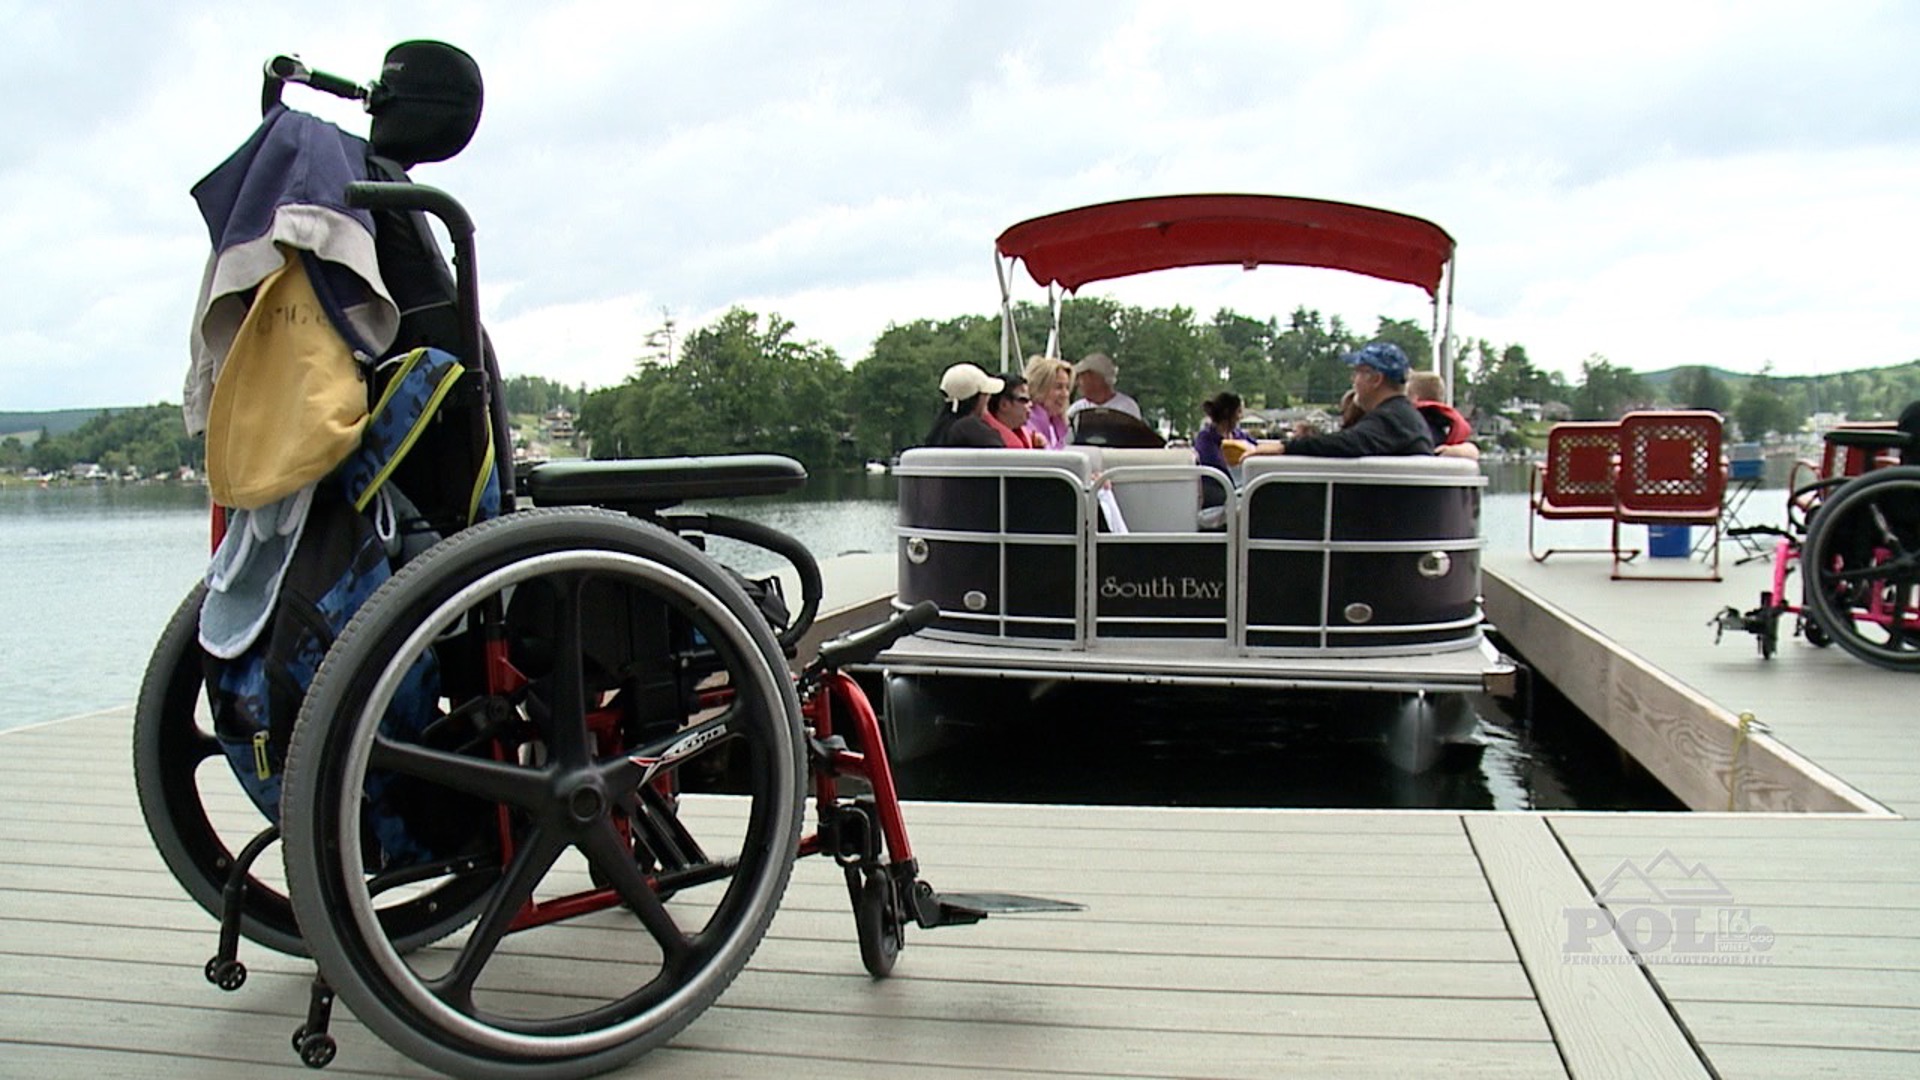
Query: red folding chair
[(1575, 482), (1670, 471)]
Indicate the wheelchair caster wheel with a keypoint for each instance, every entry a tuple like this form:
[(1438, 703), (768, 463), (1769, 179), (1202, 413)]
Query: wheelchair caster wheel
[(316, 1051), (876, 917), (228, 975)]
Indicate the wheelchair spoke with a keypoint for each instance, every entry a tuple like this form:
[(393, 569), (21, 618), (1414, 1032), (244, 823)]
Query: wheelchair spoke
[(538, 850), (663, 833), (491, 780), (609, 853), (1900, 633), (199, 746)]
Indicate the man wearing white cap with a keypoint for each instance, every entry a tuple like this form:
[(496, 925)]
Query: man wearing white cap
[(1095, 376), (962, 420)]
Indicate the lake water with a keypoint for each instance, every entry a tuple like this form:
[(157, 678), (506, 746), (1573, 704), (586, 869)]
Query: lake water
[(94, 572)]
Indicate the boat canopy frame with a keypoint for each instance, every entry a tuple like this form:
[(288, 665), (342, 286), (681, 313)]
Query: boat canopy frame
[(1065, 251)]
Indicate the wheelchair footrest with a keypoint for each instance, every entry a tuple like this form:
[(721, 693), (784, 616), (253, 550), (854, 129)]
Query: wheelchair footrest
[(959, 909)]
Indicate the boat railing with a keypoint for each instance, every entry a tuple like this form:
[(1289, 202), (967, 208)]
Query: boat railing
[(1077, 548)]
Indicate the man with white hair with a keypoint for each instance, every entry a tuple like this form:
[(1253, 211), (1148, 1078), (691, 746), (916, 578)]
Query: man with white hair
[(1095, 375)]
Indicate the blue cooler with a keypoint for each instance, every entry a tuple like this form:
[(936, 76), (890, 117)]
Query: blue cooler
[(1669, 541)]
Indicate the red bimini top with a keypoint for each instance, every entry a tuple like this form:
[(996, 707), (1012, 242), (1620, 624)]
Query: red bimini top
[(1136, 236)]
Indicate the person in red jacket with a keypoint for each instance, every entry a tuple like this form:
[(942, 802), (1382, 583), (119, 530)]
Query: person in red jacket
[(1452, 433)]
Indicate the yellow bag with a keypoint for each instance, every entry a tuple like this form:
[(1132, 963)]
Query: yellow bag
[(290, 401), (1235, 450)]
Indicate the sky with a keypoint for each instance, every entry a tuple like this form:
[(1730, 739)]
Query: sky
[(1735, 184)]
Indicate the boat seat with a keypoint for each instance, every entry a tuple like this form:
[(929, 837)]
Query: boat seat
[(647, 485), (1150, 503)]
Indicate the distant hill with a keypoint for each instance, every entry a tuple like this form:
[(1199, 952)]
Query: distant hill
[(1737, 381), (26, 425)]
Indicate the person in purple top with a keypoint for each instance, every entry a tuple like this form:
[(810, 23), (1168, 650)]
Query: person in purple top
[(1223, 422), (1050, 382)]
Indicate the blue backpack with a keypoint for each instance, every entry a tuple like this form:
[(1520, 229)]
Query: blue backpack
[(359, 530)]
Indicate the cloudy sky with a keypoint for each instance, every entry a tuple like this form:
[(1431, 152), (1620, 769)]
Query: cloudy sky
[(1668, 183)]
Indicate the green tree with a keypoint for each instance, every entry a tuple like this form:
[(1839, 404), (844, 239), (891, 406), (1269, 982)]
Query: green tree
[(1307, 357), (151, 438), (1699, 388), (1162, 364), (1761, 411), (898, 384), (738, 385), (1237, 352), (1412, 338), (538, 396), (1606, 391)]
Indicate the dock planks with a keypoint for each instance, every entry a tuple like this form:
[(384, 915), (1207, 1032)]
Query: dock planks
[(1217, 943)]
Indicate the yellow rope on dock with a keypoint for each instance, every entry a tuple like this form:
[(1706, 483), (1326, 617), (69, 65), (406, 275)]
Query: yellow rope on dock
[(1748, 725)]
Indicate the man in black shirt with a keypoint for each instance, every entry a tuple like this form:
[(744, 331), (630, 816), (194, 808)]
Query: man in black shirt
[(1392, 425)]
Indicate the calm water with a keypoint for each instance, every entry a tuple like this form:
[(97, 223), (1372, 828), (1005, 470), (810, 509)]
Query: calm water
[(95, 571)]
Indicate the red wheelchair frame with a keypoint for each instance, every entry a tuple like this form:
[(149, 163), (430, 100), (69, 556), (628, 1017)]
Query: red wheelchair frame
[(1864, 580)]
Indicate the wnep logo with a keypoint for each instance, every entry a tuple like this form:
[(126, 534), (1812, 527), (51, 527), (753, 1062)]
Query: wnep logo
[(1664, 913)]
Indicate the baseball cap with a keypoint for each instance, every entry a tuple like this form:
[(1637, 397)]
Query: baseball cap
[(1099, 362), (1384, 357), (962, 382)]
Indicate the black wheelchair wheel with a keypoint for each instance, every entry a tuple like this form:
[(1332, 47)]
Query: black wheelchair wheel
[(587, 615), (179, 771), (876, 919), (199, 817), (1861, 563)]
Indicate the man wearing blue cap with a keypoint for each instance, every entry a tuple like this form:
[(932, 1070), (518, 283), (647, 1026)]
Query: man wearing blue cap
[(1392, 425)]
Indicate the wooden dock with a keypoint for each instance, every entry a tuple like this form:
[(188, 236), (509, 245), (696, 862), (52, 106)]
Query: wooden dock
[(1216, 943)]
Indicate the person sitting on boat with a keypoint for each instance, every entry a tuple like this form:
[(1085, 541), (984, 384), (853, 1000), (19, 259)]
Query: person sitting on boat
[(1210, 443), (1451, 431), (1007, 412), (962, 421), (1349, 412), (1391, 426), (1095, 375), (1049, 383)]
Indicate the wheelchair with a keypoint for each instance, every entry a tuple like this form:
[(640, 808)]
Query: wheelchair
[(1854, 536), (588, 838)]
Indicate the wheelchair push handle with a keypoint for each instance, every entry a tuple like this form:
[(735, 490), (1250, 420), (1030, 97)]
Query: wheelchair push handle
[(861, 646), (403, 198)]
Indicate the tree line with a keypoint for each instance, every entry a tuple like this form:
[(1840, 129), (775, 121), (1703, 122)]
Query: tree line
[(151, 440), (748, 382)]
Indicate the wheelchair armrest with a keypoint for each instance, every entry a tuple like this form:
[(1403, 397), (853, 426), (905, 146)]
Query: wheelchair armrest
[(646, 485)]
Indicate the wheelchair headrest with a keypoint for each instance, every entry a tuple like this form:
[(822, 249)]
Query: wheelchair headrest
[(426, 103)]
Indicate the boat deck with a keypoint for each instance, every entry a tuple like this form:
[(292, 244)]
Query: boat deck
[(1216, 943), (1135, 661)]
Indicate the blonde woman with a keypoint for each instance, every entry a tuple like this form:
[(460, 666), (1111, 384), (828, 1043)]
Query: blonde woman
[(1049, 383)]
